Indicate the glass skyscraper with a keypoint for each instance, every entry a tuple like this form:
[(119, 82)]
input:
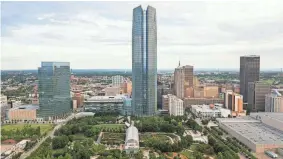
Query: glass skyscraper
[(144, 61), (54, 89)]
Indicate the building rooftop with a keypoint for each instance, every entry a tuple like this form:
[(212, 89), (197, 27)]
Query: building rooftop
[(254, 131), (105, 98), (274, 116), (29, 107)]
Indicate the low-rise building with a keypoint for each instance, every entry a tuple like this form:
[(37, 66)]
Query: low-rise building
[(200, 101), (274, 120), (253, 133), (104, 104), (24, 112), (209, 111), (132, 140)]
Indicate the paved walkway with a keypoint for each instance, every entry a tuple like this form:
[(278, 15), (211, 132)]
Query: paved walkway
[(50, 134)]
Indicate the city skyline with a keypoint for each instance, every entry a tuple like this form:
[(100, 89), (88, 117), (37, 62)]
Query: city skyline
[(197, 33)]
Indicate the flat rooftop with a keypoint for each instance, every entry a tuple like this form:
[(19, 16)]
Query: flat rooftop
[(254, 131), (106, 98), (29, 107), (274, 116)]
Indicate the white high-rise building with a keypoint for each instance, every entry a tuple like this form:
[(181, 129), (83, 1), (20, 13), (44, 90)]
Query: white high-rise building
[(176, 105), (117, 80), (274, 101)]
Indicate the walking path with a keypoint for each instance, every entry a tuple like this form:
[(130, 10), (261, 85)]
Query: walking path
[(50, 134)]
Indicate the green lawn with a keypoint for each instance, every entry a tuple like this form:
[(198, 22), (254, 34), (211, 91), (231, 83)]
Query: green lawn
[(43, 127), (110, 125)]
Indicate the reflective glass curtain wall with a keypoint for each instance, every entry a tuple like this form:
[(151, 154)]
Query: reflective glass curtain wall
[(54, 89), (144, 61)]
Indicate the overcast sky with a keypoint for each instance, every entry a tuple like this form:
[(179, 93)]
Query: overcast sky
[(97, 35)]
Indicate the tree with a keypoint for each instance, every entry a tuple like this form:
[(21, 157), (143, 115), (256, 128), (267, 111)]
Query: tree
[(219, 156), (60, 142)]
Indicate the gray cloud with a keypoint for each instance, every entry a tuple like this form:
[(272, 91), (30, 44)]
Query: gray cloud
[(88, 33)]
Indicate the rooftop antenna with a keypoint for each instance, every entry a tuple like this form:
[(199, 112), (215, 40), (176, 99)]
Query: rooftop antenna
[(180, 64)]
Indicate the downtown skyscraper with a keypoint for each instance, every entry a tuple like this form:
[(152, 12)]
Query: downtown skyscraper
[(54, 90), (144, 61), (249, 72)]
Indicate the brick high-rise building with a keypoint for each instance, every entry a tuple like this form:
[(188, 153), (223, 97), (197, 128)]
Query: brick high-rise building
[(249, 72)]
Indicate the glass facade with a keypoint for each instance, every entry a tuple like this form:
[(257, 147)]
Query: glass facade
[(144, 61), (54, 89)]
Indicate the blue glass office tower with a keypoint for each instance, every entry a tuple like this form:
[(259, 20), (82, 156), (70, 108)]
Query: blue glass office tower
[(144, 61), (54, 90)]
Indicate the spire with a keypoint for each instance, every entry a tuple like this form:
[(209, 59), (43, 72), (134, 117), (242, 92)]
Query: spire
[(179, 63)]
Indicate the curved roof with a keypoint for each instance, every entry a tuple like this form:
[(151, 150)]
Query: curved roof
[(132, 133)]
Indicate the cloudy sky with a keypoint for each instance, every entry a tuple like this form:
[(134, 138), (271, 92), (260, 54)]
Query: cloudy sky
[(96, 35)]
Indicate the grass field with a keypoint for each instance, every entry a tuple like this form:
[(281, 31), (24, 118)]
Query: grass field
[(161, 137), (110, 125), (43, 127)]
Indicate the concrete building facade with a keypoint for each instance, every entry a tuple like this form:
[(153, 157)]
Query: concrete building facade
[(208, 111), (274, 101), (256, 95), (104, 104), (117, 81), (234, 102), (176, 105), (179, 82), (25, 112), (165, 102), (183, 79)]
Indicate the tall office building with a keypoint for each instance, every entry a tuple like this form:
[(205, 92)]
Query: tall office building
[(183, 80), (189, 75), (144, 61), (249, 72), (54, 89), (256, 95), (179, 82)]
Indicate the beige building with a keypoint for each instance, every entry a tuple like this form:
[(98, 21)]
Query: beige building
[(196, 81), (183, 79), (179, 82), (26, 112), (112, 91), (206, 92), (234, 102)]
